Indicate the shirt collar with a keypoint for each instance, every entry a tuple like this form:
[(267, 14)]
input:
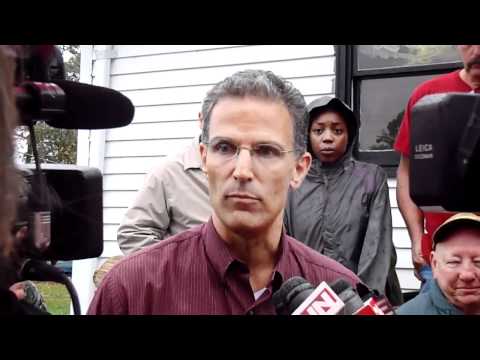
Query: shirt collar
[(191, 158), (441, 302), (216, 250), (221, 259)]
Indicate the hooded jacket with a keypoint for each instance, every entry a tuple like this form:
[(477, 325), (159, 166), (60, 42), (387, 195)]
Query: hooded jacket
[(343, 211)]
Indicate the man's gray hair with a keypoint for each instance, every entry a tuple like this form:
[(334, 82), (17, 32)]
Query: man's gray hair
[(265, 85)]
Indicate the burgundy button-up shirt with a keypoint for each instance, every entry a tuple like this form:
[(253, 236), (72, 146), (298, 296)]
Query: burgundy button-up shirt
[(194, 273)]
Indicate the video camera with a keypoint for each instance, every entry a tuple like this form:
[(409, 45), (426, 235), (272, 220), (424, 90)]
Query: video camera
[(60, 205), (445, 152)]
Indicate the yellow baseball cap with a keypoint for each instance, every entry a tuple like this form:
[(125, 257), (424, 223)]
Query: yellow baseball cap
[(452, 222)]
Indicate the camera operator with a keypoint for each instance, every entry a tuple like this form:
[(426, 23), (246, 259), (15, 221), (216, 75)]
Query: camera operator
[(421, 225), (15, 297)]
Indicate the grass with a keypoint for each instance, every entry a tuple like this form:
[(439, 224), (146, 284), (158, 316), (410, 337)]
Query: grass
[(56, 297)]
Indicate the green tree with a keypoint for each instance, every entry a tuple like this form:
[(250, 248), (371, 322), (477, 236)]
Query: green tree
[(55, 145), (386, 139)]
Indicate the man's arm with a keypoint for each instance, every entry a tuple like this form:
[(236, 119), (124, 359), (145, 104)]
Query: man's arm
[(147, 220), (376, 256), (412, 215)]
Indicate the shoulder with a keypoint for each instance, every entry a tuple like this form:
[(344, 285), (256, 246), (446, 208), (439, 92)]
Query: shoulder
[(166, 169), (419, 305), (370, 168), (320, 266), (371, 173), (434, 85), (155, 258)]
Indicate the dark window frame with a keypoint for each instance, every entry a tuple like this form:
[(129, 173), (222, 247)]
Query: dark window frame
[(348, 84)]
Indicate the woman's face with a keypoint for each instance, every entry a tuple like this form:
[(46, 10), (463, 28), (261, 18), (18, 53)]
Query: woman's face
[(329, 137)]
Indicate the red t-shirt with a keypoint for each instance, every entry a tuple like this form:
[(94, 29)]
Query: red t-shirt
[(450, 82)]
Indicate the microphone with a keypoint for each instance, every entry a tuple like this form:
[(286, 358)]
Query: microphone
[(298, 297), (362, 300), (72, 105)]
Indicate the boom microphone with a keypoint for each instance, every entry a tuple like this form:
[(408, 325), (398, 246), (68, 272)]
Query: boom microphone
[(72, 105)]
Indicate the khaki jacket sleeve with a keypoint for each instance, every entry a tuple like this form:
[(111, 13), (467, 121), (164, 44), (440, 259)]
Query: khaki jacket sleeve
[(148, 219)]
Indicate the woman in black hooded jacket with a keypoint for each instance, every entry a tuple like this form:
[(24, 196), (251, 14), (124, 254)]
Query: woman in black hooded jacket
[(342, 208)]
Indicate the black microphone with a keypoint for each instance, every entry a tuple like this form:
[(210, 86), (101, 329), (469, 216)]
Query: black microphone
[(297, 296), (72, 105)]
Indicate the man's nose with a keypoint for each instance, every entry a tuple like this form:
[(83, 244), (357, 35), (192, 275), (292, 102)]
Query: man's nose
[(468, 272), (243, 165)]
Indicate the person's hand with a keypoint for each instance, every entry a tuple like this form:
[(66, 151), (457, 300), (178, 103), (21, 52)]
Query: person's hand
[(417, 260), (19, 290)]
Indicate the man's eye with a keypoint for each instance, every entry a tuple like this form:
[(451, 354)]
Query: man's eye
[(267, 151), (317, 131), (453, 262), (224, 148), (339, 131)]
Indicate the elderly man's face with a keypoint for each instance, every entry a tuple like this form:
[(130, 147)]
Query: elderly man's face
[(248, 189), (471, 59), (456, 267)]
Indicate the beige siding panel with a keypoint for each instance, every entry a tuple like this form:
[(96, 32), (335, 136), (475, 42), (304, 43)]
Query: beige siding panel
[(123, 181), (141, 50), (110, 232), (175, 112), (254, 55), (111, 248), (310, 98), (393, 198), (163, 79), (165, 130), (397, 219), (404, 259), (401, 239), (113, 198), (189, 94), (407, 279), (129, 165), (113, 216), (150, 147)]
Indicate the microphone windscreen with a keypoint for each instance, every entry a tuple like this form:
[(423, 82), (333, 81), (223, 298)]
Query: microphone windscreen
[(93, 107), (340, 285)]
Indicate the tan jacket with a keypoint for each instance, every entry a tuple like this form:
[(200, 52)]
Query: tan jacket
[(174, 198)]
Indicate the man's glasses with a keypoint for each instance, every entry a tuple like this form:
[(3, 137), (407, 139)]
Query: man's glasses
[(224, 150)]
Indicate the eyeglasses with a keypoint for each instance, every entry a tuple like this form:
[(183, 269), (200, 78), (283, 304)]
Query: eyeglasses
[(224, 150)]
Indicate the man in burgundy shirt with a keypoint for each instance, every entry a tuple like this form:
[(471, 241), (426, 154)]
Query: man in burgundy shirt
[(421, 225), (253, 150)]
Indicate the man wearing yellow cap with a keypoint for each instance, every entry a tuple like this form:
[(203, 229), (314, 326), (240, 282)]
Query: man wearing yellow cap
[(455, 263)]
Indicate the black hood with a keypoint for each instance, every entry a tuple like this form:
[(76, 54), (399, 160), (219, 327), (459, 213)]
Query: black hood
[(329, 103)]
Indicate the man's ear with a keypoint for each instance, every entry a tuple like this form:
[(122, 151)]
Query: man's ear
[(300, 170), (200, 120), (203, 156), (434, 261)]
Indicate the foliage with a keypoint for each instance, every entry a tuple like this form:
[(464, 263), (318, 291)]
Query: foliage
[(55, 145)]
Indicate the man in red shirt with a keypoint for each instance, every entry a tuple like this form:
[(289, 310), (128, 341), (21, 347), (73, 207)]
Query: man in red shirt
[(253, 149), (422, 225)]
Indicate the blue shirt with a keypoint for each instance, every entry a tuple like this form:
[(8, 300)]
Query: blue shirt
[(431, 302)]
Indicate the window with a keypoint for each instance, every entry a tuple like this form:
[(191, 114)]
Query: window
[(377, 80)]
